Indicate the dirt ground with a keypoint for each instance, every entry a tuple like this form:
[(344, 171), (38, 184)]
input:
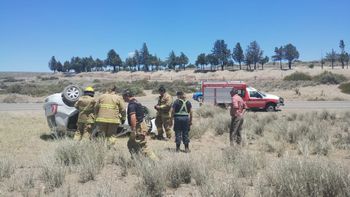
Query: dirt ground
[(25, 139)]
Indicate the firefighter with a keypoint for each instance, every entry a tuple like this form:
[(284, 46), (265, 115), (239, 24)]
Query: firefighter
[(163, 118), (137, 141), (110, 113), (182, 113), (86, 118)]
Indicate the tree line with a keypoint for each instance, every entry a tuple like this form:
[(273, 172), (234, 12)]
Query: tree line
[(141, 60), (221, 56), (342, 57)]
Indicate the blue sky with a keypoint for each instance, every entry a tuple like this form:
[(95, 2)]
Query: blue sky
[(31, 31)]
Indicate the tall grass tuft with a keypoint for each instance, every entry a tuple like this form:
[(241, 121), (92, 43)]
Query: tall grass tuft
[(243, 163), (222, 188), (305, 178), (7, 168), (152, 178), (53, 175), (178, 171)]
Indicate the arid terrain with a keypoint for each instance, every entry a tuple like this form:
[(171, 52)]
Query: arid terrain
[(294, 152)]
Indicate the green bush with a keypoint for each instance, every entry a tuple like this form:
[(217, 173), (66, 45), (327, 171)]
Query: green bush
[(345, 88), (311, 65), (37, 89), (329, 78), (298, 76)]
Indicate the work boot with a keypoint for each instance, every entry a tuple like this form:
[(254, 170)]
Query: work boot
[(177, 148), (187, 149), (161, 137)]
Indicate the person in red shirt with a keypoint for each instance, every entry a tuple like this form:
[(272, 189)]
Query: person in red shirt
[(238, 107)]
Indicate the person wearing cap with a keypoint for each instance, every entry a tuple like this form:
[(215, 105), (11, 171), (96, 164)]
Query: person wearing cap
[(85, 106), (135, 114), (238, 108), (110, 113), (163, 118), (182, 114)]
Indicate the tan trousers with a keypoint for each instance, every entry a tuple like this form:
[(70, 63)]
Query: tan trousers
[(84, 131), (137, 142), (166, 123), (108, 130)]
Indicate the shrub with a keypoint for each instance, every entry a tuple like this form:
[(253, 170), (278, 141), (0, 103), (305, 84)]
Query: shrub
[(298, 76), (209, 111), (7, 168), (11, 79), (243, 163), (67, 153), (152, 177), (37, 89), (311, 66), (178, 171), (222, 188), (221, 123), (305, 178), (96, 81), (53, 175), (345, 88), (47, 78), (329, 78), (91, 161), (199, 128), (200, 171), (87, 156)]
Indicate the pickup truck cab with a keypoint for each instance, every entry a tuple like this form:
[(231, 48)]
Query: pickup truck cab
[(218, 93)]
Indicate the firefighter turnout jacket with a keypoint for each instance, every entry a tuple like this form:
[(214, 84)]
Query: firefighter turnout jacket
[(110, 108), (165, 102), (85, 105)]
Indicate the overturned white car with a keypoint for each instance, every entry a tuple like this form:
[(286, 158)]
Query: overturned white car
[(62, 116)]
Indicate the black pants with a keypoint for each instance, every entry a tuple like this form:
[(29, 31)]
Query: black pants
[(182, 128), (236, 129)]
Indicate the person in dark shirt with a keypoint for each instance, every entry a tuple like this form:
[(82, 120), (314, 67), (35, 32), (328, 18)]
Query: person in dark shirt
[(137, 140), (182, 114)]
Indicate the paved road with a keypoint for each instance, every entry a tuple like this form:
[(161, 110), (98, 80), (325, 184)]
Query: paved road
[(291, 105)]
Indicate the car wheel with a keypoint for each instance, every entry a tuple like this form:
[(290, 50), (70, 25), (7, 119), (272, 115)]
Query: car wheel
[(200, 99), (270, 107), (71, 94)]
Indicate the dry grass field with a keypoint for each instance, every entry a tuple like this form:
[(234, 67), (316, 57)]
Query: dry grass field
[(283, 154), (287, 153)]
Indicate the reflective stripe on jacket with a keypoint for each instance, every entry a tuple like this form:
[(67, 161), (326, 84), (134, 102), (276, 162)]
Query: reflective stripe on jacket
[(110, 108)]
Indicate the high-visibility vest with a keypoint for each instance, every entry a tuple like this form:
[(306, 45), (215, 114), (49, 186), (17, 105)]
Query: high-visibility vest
[(183, 110), (108, 108)]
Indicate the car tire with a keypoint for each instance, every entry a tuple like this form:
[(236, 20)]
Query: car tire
[(71, 94), (200, 99), (270, 107)]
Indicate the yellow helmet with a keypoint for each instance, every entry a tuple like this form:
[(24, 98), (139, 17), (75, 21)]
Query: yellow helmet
[(89, 89)]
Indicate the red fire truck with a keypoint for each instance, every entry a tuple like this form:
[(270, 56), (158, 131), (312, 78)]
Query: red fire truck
[(218, 93)]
